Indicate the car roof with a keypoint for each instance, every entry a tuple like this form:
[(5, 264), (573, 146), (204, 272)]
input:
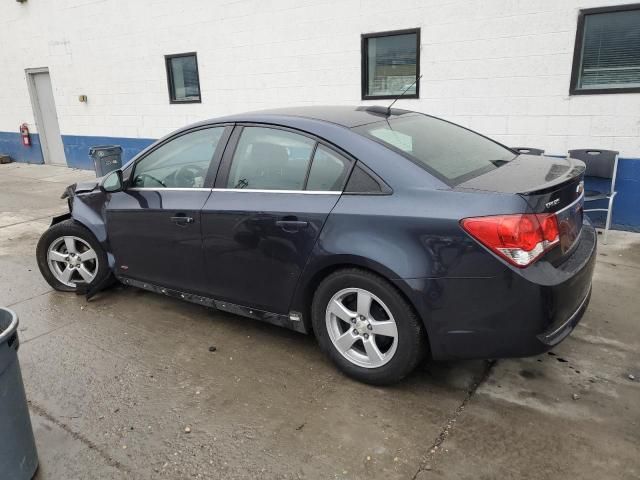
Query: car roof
[(346, 116)]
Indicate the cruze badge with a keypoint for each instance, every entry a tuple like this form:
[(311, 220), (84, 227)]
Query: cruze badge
[(552, 203)]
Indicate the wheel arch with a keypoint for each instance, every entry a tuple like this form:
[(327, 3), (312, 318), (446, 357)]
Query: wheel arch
[(91, 219), (63, 226), (314, 274)]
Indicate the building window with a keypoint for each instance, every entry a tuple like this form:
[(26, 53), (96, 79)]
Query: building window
[(182, 78), (606, 58), (391, 64)]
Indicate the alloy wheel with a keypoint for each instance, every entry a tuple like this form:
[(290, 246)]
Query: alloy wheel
[(361, 327), (72, 261)]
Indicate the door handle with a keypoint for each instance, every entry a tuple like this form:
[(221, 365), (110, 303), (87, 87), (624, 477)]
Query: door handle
[(291, 225), (181, 219)]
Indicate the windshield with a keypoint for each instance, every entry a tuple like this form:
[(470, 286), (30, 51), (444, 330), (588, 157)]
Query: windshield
[(452, 153)]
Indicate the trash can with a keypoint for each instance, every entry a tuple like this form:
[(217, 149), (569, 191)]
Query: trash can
[(106, 158), (18, 455)]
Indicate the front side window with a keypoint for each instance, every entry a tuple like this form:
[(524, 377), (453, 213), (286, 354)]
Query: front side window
[(391, 64), (182, 78), (452, 153), (607, 51), (180, 163), (270, 159)]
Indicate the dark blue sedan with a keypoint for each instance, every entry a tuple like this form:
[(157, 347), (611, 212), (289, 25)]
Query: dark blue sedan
[(390, 234)]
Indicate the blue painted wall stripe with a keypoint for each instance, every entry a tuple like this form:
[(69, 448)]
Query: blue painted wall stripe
[(626, 206), (626, 210), (11, 144), (76, 148)]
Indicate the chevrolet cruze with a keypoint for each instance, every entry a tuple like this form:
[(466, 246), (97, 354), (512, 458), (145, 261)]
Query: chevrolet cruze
[(389, 234)]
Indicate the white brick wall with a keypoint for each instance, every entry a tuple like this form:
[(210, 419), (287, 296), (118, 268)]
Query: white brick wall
[(501, 67)]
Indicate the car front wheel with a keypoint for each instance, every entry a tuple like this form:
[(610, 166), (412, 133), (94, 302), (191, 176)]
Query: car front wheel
[(69, 255), (367, 327)]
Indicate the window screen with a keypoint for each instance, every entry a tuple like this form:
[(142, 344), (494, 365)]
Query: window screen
[(609, 51), (182, 77), (390, 64)]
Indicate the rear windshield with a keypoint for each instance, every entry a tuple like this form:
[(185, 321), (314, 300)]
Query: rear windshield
[(452, 153)]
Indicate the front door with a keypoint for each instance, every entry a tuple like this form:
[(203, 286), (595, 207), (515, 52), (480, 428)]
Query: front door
[(277, 188), (154, 226), (44, 109)]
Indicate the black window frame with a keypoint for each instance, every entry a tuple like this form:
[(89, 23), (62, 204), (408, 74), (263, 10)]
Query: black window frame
[(364, 54), (577, 51), (167, 64)]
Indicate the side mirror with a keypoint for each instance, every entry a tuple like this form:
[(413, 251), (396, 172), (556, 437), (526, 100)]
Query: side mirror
[(112, 182)]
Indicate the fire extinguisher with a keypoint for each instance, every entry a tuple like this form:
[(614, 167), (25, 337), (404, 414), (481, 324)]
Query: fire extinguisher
[(24, 133)]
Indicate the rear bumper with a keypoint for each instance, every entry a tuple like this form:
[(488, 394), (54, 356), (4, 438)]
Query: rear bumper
[(555, 334), (517, 314)]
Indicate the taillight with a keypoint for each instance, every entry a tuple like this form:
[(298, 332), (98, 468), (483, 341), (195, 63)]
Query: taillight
[(520, 239)]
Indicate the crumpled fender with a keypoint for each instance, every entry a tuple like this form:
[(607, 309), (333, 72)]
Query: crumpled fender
[(60, 218), (86, 204), (87, 210)]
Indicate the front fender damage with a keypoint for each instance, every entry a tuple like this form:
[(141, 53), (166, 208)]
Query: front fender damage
[(86, 207), (69, 192), (82, 187), (60, 218)]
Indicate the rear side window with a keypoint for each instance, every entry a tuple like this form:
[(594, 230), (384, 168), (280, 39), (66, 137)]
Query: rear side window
[(270, 159), (450, 152), (328, 170), (362, 182)]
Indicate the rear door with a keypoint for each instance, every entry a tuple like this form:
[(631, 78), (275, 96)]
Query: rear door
[(275, 190), (154, 226)]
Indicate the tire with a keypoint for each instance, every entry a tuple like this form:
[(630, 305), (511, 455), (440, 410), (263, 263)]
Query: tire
[(388, 364), (52, 249)]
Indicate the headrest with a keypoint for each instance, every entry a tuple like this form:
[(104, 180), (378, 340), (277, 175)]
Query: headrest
[(275, 156)]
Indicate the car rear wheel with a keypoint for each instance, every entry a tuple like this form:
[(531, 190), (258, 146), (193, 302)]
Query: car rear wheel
[(367, 327), (69, 255)]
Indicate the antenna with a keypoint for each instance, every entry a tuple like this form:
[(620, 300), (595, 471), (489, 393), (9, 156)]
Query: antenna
[(402, 95)]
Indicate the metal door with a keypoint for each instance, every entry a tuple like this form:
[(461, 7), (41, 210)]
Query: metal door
[(257, 243), (155, 236), (44, 109), (257, 233)]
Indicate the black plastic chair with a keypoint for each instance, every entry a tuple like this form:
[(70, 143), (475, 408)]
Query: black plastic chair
[(529, 150), (602, 164)]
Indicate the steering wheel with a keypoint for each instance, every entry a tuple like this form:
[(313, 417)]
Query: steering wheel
[(186, 176), (142, 176)]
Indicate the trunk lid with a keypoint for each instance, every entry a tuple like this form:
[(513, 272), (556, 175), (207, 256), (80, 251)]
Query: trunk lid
[(548, 184)]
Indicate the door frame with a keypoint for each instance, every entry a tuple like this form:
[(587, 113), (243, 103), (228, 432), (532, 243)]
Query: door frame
[(37, 112)]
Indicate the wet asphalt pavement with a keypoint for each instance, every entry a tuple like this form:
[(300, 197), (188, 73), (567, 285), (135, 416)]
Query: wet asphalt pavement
[(125, 385)]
